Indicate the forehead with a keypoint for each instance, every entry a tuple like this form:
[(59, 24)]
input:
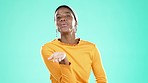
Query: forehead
[(63, 10)]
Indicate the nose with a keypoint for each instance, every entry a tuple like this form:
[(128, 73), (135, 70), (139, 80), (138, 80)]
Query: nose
[(63, 19)]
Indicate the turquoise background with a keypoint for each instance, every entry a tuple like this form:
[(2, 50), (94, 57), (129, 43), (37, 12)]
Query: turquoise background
[(119, 28)]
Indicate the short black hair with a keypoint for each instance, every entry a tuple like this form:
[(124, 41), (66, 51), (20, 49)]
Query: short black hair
[(65, 6)]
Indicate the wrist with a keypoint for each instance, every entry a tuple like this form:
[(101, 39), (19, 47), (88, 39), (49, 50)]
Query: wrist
[(65, 62)]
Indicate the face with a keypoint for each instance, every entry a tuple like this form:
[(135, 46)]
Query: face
[(65, 21)]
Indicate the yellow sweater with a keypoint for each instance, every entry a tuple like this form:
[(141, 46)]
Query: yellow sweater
[(83, 57)]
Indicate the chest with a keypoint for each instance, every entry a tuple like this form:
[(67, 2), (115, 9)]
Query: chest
[(81, 59)]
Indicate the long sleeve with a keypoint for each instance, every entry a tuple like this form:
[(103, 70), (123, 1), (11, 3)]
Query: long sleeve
[(97, 67), (61, 73)]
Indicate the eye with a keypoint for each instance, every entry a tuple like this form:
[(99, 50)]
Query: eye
[(68, 16), (58, 17)]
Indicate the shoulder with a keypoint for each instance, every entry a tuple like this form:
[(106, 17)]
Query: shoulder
[(90, 44), (50, 43)]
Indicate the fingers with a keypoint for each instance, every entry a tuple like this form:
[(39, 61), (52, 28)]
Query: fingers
[(57, 60), (51, 57), (57, 56), (64, 56)]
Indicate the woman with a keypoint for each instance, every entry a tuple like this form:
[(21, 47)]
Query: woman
[(68, 58)]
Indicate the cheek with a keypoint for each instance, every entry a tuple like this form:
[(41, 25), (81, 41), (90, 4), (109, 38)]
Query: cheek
[(73, 23), (57, 23)]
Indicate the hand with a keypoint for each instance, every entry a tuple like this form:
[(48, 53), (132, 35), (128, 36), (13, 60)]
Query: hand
[(59, 57)]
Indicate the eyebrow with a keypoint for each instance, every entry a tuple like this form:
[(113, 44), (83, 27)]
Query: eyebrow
[(64, 12)]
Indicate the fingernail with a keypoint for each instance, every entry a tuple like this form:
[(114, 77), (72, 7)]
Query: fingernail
[(60, 60)]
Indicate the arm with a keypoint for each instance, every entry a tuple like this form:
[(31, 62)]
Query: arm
[(97, 67), (61, 72)]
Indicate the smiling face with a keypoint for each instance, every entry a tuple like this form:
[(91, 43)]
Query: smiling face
[(65, 21)]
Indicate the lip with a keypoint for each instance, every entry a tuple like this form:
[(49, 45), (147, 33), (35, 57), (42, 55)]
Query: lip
[(64, 24)]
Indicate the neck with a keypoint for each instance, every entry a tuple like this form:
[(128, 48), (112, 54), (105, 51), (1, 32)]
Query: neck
[(68, 38)]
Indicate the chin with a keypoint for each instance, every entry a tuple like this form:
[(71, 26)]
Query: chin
[(64, 29), (65, 32)]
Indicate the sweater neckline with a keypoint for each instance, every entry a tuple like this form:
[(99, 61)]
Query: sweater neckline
[(58, 40)]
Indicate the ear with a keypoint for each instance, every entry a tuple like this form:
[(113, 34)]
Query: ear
[(76, 24), (75, 27)]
